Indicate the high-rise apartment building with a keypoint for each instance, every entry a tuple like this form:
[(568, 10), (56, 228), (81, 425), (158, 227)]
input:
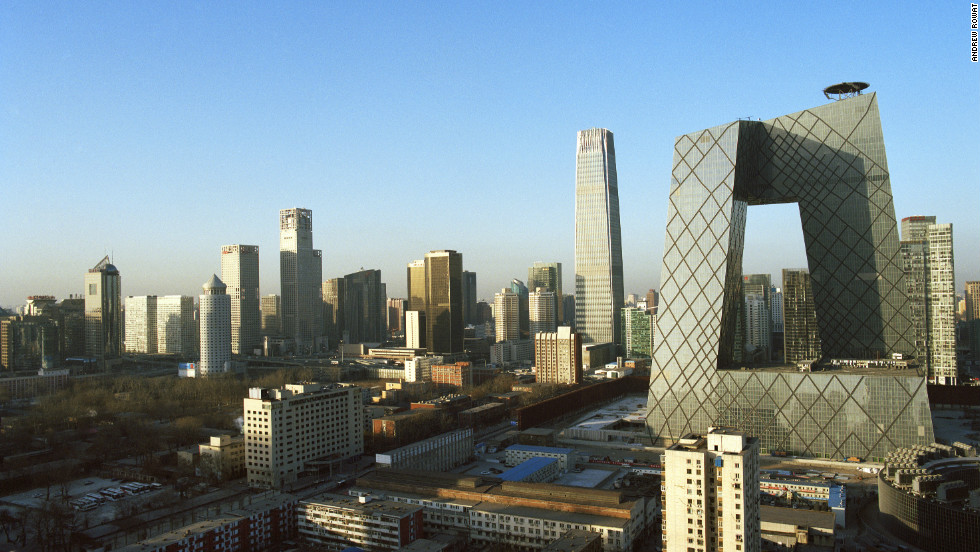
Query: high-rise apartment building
[(776, 308), (927, 257), (444, 301), (830, 160), (240, 273), (639, 331), (542, 311), (506, 314), (271, 315), (300, 272), (469, 297), (558, 356), (103, 311), (216, 327), (415, 330), (287, 428), (711, 493), (141, 324), (598, 245), (548, 276), (176, 326), (364, 307)]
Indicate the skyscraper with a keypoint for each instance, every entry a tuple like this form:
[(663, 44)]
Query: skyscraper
[(542, 311), (333, 310), (524, 315), (416, 285), (300, 269), (598, 246), (972, 317), (271, 315), (506, 314), (141, 324), (176, 327), (547, 276), (469, 297), (240, 273), (396, 315), (415, 329), (216, 327), (927, 257), (830, 160), (801, 336), (364, 307), (444, 301), (652, 299), (103, 311), (758, 320)]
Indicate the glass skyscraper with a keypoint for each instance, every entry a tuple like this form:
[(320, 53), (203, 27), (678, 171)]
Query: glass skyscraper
[(830, 160), (598, 246)]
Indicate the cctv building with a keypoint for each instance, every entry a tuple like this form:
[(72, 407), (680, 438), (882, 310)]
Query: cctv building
[(830, 160)]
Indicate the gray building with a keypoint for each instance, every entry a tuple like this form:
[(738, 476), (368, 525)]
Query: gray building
[(240, 273), (103, 311), (598, 245), (469, 297), (364, 311), (830, 160), (547, 276), (300, 272)]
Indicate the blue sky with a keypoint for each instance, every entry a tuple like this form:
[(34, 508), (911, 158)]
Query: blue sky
[(160, 131)]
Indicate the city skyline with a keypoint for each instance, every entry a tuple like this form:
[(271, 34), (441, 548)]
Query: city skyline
[(104, 113)]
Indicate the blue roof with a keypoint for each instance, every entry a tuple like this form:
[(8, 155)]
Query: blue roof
[(526, 468), (838, 496), (534, 448)]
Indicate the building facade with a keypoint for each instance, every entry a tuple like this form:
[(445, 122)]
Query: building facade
[(240, 273), (444, 301), (216, 328), (364, 308), (469, 297), (103, 311), (271, 315), (141, 324), (337, 522), (437, 454), (711, 493), (548, 276), (858, 288), (598, 244), (506, 315), (176, 327), (300, 272), (542, 311), (558, 356), (287, 428), (639, 331)]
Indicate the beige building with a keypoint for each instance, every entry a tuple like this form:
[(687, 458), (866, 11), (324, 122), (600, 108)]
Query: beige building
[(711, 493), (558, 356), (506, 315), (287, 428), (542, 311), (216, 328), (223, 457), (240, 272), (141, 324), (336, 522)]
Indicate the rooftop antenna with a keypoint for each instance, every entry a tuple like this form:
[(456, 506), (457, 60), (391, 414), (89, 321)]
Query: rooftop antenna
[(844, 90)]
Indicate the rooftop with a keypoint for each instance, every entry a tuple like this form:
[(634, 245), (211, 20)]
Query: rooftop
[(545, 450), (524, 470)]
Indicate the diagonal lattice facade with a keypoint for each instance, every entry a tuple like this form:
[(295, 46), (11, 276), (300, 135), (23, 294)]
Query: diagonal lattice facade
[(830, 160)]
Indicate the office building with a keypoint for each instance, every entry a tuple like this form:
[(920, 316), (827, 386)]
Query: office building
[(711, 493), (506, 314), (420, 368), (333, 310), (395, 313), (416, 285), (287, 428), (444, 302), (469, 297), (756, 315), (558, 356), (927, 256), (300, 270), (216, 336), (548, 276), (653, 298), (176, 326), (972, 317), (103, 311), (271, 315), (29, 343), (141, 324), (364, 307), (776, 309), (598, 245), (639, 329), (240, 273), (415, 330), (543, 311), (338, 522), (523, 316), (849, 226)]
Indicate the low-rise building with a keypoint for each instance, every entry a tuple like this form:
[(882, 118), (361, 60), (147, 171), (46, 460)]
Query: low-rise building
[(576, 540), (223, 457), (393, 424), (482, 415), (440, 453), (534, 470), (789, 528), (516, 454), (337, 522)]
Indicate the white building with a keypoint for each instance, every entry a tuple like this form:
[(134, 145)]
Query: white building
[(141, 324), (517, 454), (507, 315), (942, 306), (216, 338), (420, 368), (415, 329), (543, 311), (176, 327), (758, 325), (776, 308), (240, 272), (711, 493), (336, 522), (286, 428)]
